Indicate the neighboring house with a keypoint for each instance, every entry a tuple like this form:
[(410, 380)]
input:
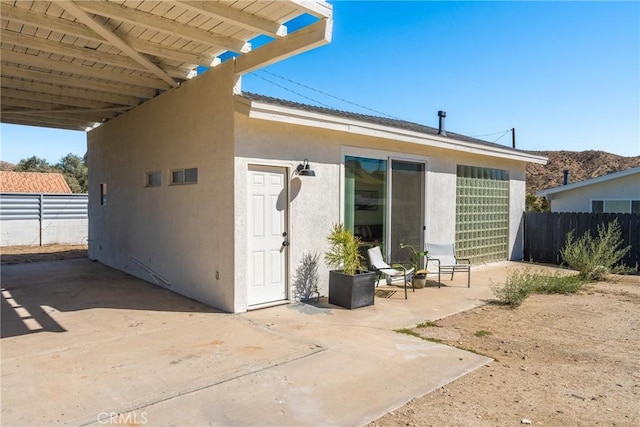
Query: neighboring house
[(617, 192), (39, 209), (33, 182), (204, 190)]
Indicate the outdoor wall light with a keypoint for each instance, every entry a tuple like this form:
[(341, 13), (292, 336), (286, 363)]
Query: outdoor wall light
[(304, 169)]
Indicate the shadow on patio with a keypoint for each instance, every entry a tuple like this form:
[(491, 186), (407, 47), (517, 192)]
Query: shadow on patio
[(34, 294)]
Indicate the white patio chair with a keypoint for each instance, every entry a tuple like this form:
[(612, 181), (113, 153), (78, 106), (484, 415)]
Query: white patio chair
[(396, 271), (444, 256)]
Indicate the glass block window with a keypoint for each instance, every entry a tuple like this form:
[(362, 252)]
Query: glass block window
[(482, 214)]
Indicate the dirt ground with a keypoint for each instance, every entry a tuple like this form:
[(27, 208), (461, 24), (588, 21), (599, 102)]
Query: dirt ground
[(25, 254), (559, 360)]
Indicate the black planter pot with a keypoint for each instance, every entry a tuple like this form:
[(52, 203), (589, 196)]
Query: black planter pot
[(351, 291)]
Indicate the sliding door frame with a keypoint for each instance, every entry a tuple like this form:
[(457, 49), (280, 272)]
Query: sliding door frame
[(388, 156)]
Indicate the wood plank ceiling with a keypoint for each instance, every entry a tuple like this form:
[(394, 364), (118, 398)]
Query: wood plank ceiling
[(76, 64)]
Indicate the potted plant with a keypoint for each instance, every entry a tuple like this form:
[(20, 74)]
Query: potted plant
[(350, 285), (420, 275)]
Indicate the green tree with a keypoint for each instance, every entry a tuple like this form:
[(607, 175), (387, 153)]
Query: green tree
[(537, 204), (75, 172), (33, 164)]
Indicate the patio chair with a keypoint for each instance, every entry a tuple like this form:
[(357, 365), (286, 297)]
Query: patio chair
[(391, 272), (444, 256)]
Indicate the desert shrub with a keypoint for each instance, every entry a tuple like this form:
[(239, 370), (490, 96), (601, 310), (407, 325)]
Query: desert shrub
[(522, 283), (595, 257), (519, 285), (559, 284)]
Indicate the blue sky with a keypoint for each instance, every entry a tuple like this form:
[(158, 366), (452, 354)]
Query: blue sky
[(566, 75)]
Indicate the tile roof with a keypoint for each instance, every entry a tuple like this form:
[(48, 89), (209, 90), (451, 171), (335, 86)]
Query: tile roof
[(32, 182), (383, 121)]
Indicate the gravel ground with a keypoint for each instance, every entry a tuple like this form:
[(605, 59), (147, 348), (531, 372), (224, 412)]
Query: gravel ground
[(559, 360)]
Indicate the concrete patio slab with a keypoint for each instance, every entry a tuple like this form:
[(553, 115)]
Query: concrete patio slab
[(86, 344)]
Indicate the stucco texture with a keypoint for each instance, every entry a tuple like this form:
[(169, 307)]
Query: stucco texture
[(579, 199), (192, 239), (180, 233)]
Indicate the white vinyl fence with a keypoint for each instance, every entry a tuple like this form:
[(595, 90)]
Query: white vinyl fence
[(43, 219)]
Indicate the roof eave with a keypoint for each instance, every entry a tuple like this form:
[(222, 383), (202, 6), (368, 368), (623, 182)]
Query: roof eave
[(587, 182), (278, 113)]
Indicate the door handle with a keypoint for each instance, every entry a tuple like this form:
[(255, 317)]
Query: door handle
[(285, 243)]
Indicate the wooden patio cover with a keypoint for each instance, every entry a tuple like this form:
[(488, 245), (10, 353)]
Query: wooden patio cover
[(75, 64)]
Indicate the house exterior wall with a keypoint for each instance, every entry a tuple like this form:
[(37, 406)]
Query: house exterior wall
[(579, 199), (317, 201), (178, 236), (310, 216)]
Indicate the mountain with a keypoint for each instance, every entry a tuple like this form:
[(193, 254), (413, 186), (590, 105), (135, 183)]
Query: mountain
[(581, 165)]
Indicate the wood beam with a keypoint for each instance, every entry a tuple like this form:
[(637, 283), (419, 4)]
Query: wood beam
[(81, 70), (42, 20), (49, 121), (237, 17), (162, 51), (12, 101), (78, 97), (32, 42), (78, 116), (43, 124), (76, 29), (307, 38), (114, 40), (39, 76), (163, 25), (26, 106), (9, 94), (319, 9)]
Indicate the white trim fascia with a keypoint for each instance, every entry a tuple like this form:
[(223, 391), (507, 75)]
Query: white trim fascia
[(279, 113), (586, 182)]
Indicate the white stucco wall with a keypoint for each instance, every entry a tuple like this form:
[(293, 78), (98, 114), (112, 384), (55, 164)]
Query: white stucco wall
[(318, 203), (181, 233), (26, 232), (193, 238), (20, 232), (579, 199), (314, 205), (65, 231), (442, 209)]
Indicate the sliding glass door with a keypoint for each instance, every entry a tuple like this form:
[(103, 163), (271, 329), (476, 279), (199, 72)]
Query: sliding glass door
[(384, 202), (365, 199), (407, 208)]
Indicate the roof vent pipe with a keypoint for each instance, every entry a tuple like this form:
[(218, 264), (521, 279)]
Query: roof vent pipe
[(565, 181), (441, 115)]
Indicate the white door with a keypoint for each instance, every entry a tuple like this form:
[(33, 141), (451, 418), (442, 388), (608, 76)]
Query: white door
[(268, 240)]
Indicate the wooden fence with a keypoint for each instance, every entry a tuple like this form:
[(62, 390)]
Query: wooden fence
[(545, 233)]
